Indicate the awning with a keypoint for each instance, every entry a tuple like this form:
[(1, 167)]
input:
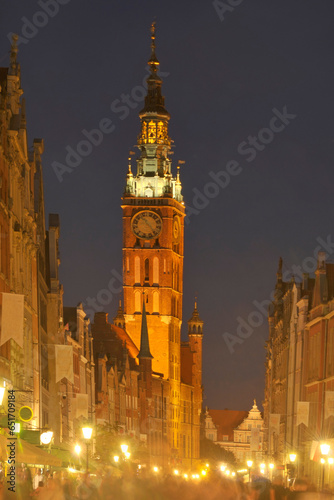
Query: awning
[(26, 453)]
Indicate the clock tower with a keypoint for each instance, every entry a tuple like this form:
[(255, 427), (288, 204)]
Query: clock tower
[(153, 226)]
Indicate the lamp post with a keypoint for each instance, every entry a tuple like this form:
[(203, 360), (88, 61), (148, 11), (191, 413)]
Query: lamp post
[(324, 448), (249, 465), (271, 468), (87, 434)]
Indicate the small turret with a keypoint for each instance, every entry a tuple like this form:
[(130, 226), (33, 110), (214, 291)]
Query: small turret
[(320, 294), (195, 324), (119, 319)]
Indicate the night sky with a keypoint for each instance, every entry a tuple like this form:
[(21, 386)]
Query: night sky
[(224, 74)]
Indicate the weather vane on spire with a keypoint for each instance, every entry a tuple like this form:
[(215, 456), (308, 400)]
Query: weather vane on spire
[(153, 62)]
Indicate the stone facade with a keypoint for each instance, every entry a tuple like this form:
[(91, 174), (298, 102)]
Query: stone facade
[(299, 367)]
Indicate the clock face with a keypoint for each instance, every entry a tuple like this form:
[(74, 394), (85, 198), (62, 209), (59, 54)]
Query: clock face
[(146, 225), (176, 229)]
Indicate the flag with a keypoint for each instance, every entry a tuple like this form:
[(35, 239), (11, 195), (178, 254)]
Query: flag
[(315, 452), (329, 404), (303, 409), (274, 422), (12, 318), (81, 405), (64, 362)]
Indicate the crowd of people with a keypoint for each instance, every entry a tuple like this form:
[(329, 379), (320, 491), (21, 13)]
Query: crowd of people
[(105, 486)]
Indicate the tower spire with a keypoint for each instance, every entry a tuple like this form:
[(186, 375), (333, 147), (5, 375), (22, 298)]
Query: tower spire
[(154, 101), (153, 61), (144, 352), (14, 67)]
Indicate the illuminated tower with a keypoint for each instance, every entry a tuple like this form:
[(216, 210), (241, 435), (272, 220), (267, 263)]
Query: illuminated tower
[(153, 226)]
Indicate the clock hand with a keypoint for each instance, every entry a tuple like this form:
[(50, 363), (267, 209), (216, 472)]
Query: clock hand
[(148, 224)]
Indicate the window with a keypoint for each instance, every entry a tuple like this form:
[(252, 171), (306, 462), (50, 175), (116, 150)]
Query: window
[(137, 269), (156, 271), (147, 269), (156, 302), (137, 302)]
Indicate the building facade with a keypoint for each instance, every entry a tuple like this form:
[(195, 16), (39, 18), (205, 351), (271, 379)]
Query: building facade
[(299, 369), (240, 432)]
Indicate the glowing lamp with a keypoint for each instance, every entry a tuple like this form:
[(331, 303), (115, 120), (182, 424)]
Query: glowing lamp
[(46, 437), (324, 448), (77, 449), (292, 457), (87, 432), (2, 393), (116, 459), (249, 463), (124, 448)]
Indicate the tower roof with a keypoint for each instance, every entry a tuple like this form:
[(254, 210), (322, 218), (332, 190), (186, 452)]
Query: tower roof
[(120, 314), (154, 101), (144, 352), (195, 318)]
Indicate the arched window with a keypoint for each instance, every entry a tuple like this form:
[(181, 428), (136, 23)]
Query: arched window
[(147, 269), (137, 269), (137, 301), (155, 271), (156, 302), (177, 277), (148, 192)]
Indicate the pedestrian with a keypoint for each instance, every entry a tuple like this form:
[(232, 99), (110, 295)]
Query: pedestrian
[(37, 478), (87, 490), (277, 490)]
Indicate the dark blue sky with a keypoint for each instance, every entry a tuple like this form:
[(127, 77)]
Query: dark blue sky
[(222, 80)]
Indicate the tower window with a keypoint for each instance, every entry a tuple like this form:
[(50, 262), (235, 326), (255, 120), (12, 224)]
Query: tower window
[(155, 271), (147, 269), (156, 302), (137, 302), (137, 270), (152, 132)]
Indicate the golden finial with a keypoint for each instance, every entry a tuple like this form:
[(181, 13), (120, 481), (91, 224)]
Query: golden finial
[(153, 28), (181, 162), (153, 62), (129, 160)]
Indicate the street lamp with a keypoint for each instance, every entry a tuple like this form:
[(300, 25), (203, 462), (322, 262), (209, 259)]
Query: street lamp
[(87, 434), (324, 448), (77, 449), (249, 465), (116, 458), (2, 393), (46, 437), (124, 448)]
